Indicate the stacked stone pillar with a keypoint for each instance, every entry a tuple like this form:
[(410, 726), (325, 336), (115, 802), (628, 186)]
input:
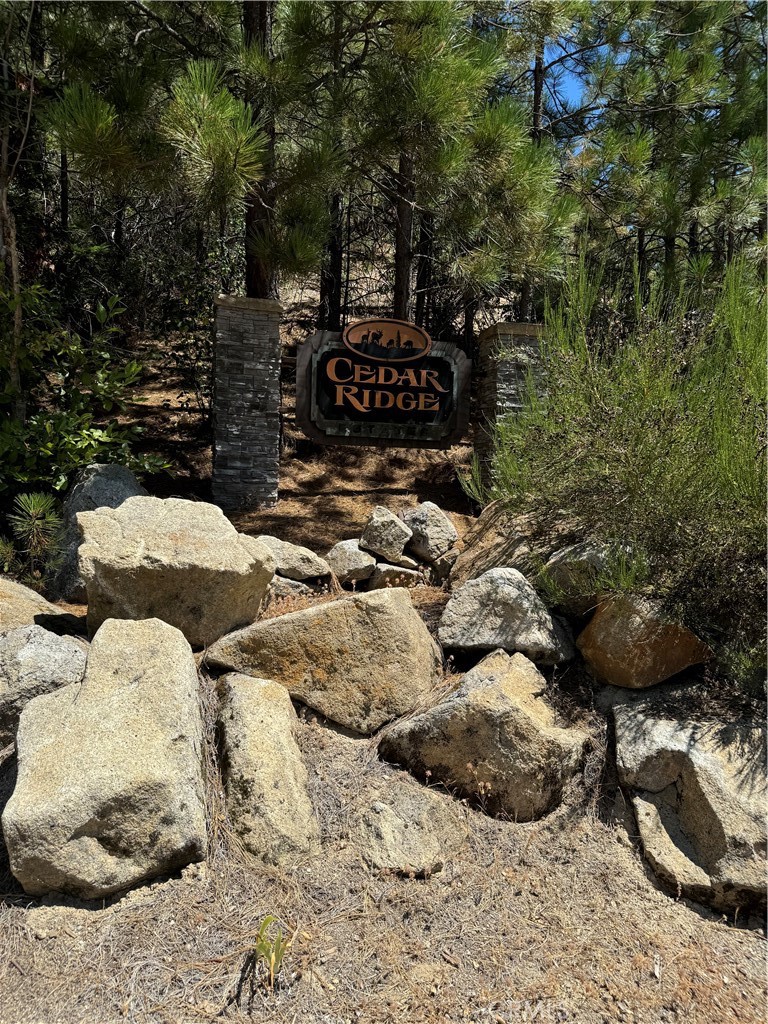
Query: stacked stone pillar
[(507, 354), (246, 402)]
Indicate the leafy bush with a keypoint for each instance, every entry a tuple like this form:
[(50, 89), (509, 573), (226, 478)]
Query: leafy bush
[(651, 431), (68, 380)]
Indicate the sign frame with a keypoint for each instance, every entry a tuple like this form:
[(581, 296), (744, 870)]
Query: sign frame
[(348, 432)]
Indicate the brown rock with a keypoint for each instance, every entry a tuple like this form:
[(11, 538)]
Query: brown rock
[(630, 642), (361, 661)]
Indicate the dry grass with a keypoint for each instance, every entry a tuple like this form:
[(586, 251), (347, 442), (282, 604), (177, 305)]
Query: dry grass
[(551, 921)]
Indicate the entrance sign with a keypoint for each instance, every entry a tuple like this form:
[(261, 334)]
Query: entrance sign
[(382, 382)]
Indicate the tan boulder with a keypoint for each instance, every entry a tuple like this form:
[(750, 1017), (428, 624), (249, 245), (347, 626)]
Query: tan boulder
[(494, 739), (630, 642), (264, 774), (408, 829), (110, 788), (699, 795), (361, 660), (20, 606), (175, 560), (293, 561)]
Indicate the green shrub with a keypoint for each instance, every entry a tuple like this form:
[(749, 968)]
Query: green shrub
[(69, 382), (651, 431)]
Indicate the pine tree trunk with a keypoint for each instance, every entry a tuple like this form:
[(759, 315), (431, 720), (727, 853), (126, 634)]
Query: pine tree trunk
[(524, 305), (64, 192), (10, 250), (424, 267), (260, 278), (333, 258), (693, 238), (9, 240), (406, 194), (468, 333), (333, 270), (538, 90)]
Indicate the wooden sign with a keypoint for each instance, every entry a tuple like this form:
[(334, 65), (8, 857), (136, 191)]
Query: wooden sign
[(382, 382)]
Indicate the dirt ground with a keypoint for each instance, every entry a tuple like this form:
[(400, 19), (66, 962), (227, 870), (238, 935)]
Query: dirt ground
[(550, 921)]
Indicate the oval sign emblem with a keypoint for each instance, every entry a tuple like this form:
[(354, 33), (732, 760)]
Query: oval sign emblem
[(387, 341)]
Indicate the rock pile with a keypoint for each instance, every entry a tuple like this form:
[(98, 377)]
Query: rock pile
[(110, 789), (396, 551)]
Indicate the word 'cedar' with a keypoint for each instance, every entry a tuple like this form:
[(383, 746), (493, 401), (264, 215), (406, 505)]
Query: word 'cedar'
[(347, 375)]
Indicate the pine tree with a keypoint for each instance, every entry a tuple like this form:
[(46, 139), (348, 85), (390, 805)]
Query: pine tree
[(674, 160)]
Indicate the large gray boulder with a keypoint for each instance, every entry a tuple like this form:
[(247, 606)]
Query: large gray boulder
[(699, 795), (501, 609), (494, 739), (34, 661), (349, 563), (385, 535), (175, 560), (433, 531), (264, 775), (110, 788), (573, 573), (293, 561), (97, 486), (361, 660)]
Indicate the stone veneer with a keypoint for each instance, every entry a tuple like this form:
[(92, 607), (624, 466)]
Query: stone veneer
[(246, 402), (506, 354)]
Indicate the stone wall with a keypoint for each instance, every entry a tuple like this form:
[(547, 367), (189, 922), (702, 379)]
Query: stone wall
[(506, 354), (246, 402)]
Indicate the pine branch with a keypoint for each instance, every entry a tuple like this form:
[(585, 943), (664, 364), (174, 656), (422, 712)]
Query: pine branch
[(188, 45)]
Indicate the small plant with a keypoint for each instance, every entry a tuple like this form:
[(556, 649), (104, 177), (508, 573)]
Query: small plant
[(270, 948), (35, 524)]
